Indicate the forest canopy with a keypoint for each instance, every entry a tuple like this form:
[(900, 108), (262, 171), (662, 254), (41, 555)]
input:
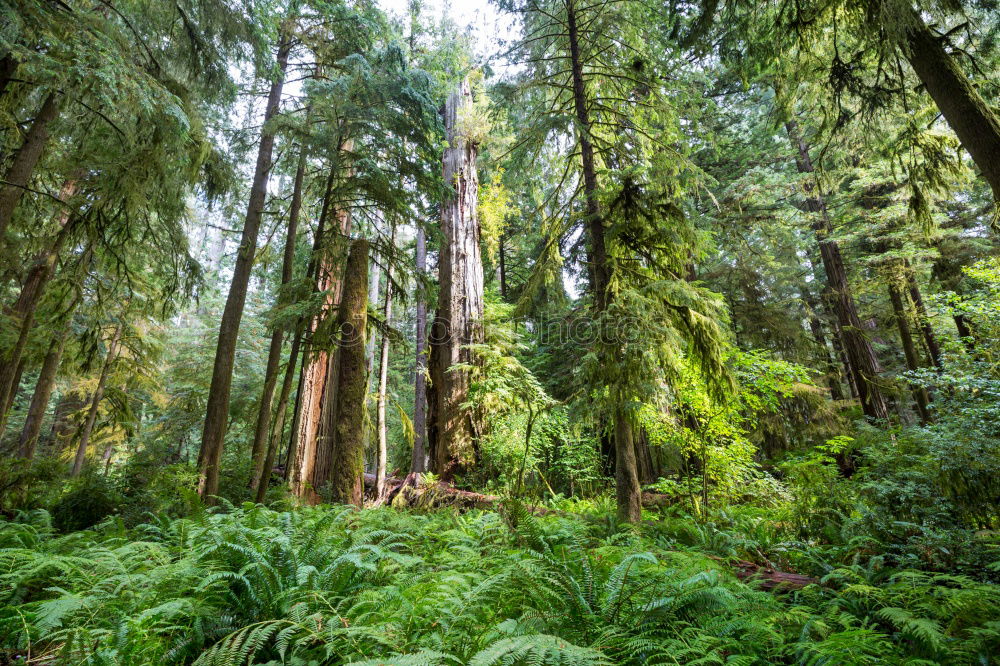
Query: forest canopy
[(499, 332)]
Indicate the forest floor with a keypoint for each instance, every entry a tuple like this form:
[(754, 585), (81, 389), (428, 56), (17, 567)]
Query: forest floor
[(388, 586)]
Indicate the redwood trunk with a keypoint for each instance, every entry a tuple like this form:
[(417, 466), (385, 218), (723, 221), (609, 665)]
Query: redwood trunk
[(973, 121), (340, 468), (458, 321), (217, 410), (861, 356), (22, 165), (259, 451), (95, 403), (317, 376)]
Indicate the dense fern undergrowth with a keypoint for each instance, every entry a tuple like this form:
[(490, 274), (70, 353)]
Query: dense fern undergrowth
[(335, 585)]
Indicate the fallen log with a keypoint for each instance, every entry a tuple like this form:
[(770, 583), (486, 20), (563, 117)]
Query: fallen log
[(768, 578), (445, 494)]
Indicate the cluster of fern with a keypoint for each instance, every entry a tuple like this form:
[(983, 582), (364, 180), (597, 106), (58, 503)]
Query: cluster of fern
[(330, 585)]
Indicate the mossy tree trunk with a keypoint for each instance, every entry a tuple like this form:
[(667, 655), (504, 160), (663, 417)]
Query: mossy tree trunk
[(339, 468)]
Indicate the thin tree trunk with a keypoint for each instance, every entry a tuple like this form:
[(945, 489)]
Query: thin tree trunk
[(816, 327), (279, 419), (920, 396), (863, 362), (458, 321), (926, 328), (968, 114), (22, 165), (95, 403), (965, 332), (340, 457), (262, 431), (628, 490), (217, 410), (418, 462), (28, 440), (383, 380), (24, 308)]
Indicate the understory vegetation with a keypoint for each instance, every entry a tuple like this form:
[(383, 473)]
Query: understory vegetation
[(499, 332), (337, 585)]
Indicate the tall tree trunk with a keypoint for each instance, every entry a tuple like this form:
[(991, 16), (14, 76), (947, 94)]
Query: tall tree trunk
[(259, 451), (24, 308), (628, 490), (458, 321), (418, 462), (217, 410), (920, 395), (968, 114), (28, 440), (383, 380), (340, 453), (863, 362), (279, 417), (95, 403), (316, 374), (816, 327), (22, 165), (924, 321)]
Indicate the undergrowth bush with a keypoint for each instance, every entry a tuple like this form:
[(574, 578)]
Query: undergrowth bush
[(333, 585)]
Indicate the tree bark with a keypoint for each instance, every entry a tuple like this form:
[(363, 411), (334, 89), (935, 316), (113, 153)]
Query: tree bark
[(277, 434), (259, 451), (340, 452), (22, 165), (626, 474), (418, 462), (217, 410), (920, 395), (816, 327), (926, 328), (863, 362), (28, 440), (95, 403), (24, 308), (316, 375), (968, 114), (383, 381), (458, 320)]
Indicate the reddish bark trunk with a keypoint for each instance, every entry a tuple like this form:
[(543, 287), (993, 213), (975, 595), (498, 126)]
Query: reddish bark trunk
[(861, 356), (339, 466)]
